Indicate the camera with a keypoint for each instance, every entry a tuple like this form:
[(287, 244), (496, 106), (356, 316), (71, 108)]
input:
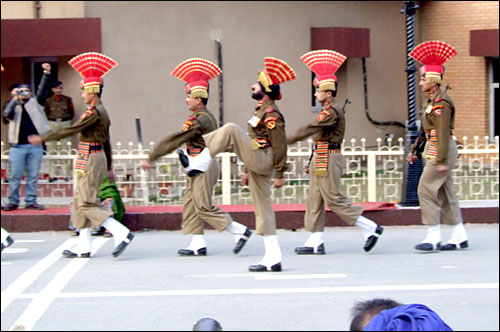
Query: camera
[(23, 92)]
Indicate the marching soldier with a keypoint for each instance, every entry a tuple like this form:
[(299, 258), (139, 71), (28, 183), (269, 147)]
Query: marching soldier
[(328, 164), (263, 151), (199, 187), (436, 194), (94, 158)]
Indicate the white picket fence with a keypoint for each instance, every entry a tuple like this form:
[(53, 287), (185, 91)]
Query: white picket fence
[(372, 174)]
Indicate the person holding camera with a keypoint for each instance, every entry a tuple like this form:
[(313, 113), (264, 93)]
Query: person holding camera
[(26, 117)]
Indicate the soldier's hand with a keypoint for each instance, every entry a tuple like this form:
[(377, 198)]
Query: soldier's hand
[(278, 183), (146, 165), (46, 67), (35, 139), (442, 168), (411, 158), (111, 175), (244, 179), (306, 169)]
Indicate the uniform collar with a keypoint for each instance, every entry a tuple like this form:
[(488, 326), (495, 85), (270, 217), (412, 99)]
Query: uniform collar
[(263, 104), (434, 95)]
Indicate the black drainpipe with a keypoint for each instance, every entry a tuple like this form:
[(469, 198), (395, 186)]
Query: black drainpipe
[(221, 83)]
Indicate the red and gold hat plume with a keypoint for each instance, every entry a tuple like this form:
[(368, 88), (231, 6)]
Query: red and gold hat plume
[(196, 72), (92, 67), (277, 71), (432, 54), (324, 63)]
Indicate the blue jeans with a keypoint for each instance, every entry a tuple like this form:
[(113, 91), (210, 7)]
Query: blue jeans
[(21, 156)]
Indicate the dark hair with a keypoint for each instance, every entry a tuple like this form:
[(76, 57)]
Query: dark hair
[(55, 84), (275, 91), (204, 101), (369, 309), (13, 86)]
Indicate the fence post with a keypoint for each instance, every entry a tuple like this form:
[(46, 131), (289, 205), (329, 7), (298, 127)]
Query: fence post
[(226, 178), (372, 176)]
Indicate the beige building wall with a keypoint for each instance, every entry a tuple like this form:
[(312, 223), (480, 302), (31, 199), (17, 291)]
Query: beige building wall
[(467, 75), (46, 9), (148, 39)]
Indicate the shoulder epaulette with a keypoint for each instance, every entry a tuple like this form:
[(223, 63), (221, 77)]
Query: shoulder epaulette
[(271, 118), (269, 110), (87, 113)]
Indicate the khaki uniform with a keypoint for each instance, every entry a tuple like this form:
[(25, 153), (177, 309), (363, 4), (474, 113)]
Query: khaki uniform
[(197, 204), (328, 129), (60, 112), (435, 190), (91, 165), (263, 151)]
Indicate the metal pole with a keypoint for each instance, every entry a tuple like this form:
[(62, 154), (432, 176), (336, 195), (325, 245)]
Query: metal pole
[(221, 83), (411, 172)]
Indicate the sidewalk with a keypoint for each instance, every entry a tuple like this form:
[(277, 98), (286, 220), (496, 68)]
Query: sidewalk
[(288, 216)]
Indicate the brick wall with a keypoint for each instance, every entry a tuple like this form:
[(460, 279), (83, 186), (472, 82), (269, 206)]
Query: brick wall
[(451, 22)]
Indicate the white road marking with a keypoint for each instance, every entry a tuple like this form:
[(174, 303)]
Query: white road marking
[(42, 300), (14, 250), (298, 276), (189, 292), (27, 278), (28, 241), (6, 263), (266, 276)]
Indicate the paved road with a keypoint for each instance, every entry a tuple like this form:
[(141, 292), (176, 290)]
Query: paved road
[(149, 287)]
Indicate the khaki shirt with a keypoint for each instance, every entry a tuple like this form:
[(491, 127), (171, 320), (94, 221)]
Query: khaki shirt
[(268, 123), (198, 124), (93, 126), (438, 119), (59, 108), (329, 126)]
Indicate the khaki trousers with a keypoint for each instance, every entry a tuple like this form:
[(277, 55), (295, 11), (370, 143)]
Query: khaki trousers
[(198, 203), (259, 164), (54, 149), (87, 209), (436, 192), (326, 189)]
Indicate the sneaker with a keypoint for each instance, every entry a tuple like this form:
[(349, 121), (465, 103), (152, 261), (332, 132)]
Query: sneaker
[(11, 207), (35, 206)]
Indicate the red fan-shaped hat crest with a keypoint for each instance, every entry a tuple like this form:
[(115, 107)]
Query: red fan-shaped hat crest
[(196, 72), (432, 54), (324, 63), (92, 66)]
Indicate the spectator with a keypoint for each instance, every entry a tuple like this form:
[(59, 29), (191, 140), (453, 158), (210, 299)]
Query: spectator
[(60, 111), (388, 315), (26, 117), (207, 324), (13, 91)]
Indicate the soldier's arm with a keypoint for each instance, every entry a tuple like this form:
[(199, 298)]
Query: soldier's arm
[(89, 118), (277, 136), (324, 119), (442, 118), (173, 141)]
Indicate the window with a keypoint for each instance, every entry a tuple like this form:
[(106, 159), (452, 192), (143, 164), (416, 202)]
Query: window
[(36, 71), (316, 105)]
